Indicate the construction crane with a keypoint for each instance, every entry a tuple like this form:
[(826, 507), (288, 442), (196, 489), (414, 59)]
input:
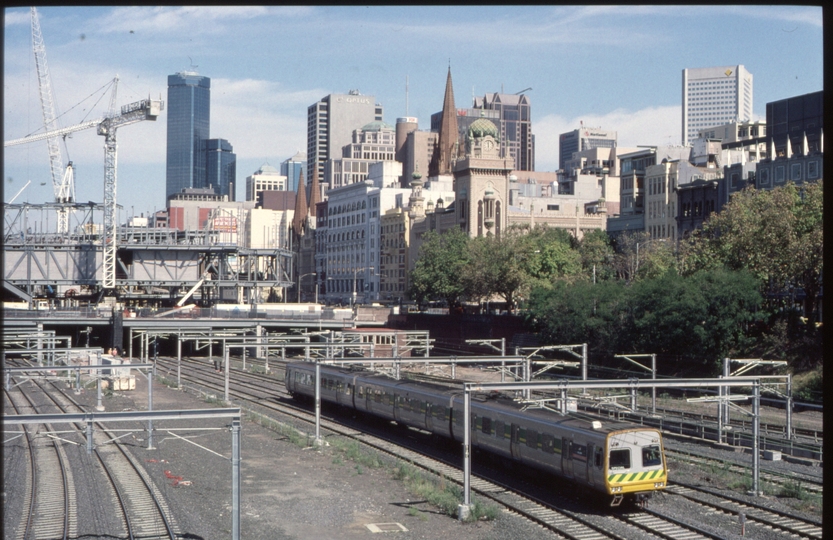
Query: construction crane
[(146, 109), (63, 183)]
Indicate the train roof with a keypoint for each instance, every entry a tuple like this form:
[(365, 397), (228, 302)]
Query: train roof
[(495, 400)]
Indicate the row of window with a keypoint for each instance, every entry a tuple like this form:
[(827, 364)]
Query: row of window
[(537, 440)]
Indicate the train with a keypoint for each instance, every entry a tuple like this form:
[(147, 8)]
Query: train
[(617, 460)]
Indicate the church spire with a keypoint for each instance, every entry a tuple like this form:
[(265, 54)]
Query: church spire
[(300, 207), (447, 140)]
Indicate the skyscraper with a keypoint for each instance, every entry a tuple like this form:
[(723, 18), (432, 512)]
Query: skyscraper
[(220, 167), (189, 106), (293, 168), (330, 125), (714, 96)]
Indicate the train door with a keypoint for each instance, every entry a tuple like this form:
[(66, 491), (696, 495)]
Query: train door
[(429, 422), (397, 407), (591, 450), (566, 457), (514, 442)]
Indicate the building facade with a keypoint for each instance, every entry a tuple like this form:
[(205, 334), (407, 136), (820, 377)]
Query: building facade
[(714, 96), (371, 143), (266, 178), (330, 124), (221, 167), (189, 111), (580, 140)]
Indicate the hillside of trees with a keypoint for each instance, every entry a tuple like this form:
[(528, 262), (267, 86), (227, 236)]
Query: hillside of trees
[(744, 286)]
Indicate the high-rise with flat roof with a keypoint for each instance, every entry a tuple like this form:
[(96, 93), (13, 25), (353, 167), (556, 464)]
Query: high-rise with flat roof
[(714, 96), (293, 168), (189, 108), (221, 167), (579, 140), (330, 125)]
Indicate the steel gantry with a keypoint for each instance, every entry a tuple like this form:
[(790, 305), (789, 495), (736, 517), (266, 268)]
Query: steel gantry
[(146, 109)]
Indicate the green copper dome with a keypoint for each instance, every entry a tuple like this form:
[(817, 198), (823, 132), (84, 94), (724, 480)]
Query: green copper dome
[(376, 125), (482, 127)]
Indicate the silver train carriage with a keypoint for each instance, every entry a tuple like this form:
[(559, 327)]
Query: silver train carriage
[(614, 458)]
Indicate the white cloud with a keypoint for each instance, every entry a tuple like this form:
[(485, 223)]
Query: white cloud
[(260, 118), (649, 126), (16, 17)]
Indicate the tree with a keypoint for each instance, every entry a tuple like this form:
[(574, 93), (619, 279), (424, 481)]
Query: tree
[(700, 318), (596, 252), (438, 272), (494, 268), (775, 234)]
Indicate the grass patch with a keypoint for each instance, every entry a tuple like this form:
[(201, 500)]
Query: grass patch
[(447, 497), (412, 511)]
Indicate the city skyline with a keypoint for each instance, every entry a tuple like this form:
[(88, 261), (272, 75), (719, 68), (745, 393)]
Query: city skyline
[(617, 68)]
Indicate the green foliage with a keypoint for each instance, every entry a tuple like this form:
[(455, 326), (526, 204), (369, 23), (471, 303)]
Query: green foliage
[(438, 272), (699, 318), (775, 234)]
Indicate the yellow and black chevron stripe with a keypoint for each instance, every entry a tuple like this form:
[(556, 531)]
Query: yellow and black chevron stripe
[(622, 478)]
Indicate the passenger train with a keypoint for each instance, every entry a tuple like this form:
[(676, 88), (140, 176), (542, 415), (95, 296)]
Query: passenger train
[(616, 459)]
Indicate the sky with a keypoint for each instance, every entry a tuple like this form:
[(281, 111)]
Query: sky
[(618, 68)]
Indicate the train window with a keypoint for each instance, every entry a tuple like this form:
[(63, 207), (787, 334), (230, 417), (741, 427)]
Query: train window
[(377, 397), (620, 459), (532, 438), (598, 458), (507, 431), (651, 456), (487, 425), (361, 391), (349, 389), (476, 422), (521, 435), (547, 443), (499, 429), (458, 416), (579, 452)]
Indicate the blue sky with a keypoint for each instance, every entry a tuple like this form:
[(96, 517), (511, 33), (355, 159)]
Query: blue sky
[(618, 68)]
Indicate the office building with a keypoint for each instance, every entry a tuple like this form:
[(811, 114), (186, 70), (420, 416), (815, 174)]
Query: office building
[(371, 143), (330, 125), (795, 142), (189, 107), (579, 140), (512, 114), (220, 167), (292, 169), (515, 125), (715, 96), (266, 178)]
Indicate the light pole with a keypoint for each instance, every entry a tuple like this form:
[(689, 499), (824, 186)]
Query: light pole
[(299, 285)]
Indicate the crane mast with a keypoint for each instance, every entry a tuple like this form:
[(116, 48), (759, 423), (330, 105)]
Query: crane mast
[(146, 109), (63, 184)]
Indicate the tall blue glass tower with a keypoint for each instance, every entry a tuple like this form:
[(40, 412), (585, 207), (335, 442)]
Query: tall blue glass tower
[(221, 167), (189, 109), (292, 169)]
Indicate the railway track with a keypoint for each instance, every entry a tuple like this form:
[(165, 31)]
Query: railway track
[(139, 506), (50, 506), (783, 480), (756, 515), (260, 390)]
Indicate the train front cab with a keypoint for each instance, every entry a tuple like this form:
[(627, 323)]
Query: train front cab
[(635, 465)]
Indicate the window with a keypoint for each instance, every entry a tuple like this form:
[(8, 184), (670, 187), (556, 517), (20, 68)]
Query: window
[(578, 452), (651, 456), (487, 426), (597, 461), (620, 459), (532, 438)]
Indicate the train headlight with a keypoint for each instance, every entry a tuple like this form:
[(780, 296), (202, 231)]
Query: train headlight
[(659, 484)]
